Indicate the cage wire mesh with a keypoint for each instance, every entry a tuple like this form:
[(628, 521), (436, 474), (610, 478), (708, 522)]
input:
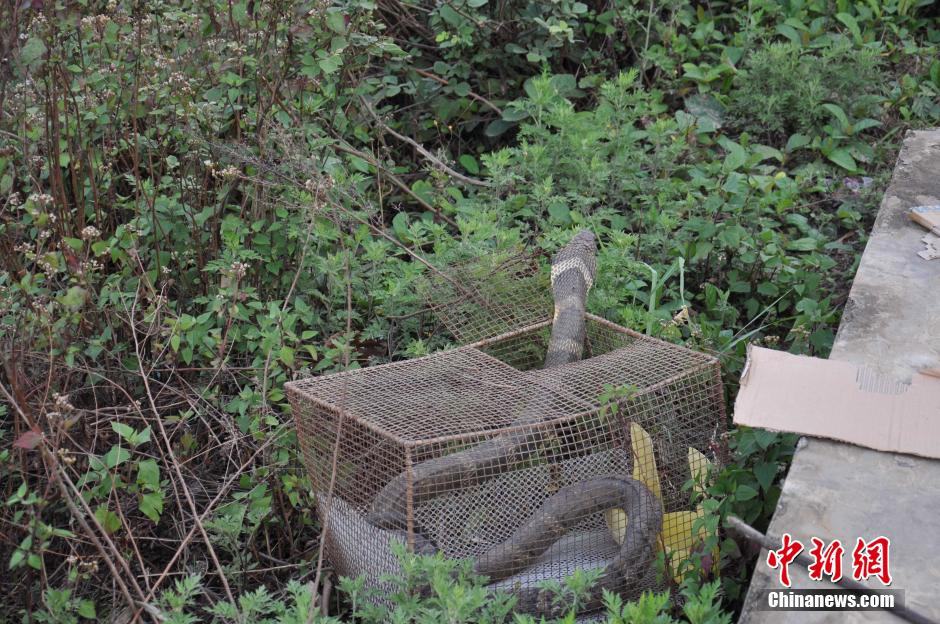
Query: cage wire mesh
[(437, 451), (482, 297)]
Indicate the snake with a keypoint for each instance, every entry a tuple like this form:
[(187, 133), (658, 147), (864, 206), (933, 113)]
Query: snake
[(573, 271)]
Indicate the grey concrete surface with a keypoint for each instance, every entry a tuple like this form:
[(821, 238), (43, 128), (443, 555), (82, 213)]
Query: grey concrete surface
[(836, 490)]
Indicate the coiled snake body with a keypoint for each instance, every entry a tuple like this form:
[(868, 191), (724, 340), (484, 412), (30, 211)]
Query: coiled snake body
[(573, 272)]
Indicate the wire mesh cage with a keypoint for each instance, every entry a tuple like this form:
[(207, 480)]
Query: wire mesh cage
[(486, 296), (533, 473)]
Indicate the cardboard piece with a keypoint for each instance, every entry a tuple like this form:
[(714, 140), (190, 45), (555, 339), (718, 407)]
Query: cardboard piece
[(927, 216), (839, 400), (931, 250)]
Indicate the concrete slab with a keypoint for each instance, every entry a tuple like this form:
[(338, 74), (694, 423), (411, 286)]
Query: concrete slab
[(835, 490)]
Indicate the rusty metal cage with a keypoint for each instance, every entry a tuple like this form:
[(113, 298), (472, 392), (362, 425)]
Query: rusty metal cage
[(662, 427)]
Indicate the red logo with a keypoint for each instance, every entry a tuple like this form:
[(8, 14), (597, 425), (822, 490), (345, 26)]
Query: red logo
[(869, 559), (827, 560), (784, 557)]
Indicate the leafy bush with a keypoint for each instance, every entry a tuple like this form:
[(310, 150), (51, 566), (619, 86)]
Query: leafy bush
[(689, 219), (431, 589), (783, 87)]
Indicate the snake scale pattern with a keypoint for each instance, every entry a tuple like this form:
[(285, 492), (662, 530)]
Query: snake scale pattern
[(573, 273)]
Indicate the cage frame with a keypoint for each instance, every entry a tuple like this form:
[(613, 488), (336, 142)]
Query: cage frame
[(410, 446)]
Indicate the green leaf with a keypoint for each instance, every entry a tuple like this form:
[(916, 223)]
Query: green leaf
[(736, 156), (864, 124), (807, 305), (449, 15), (74, 298), (514, 113), (852, 25), (469, 163), (76, 244), (131, 436), (336, 21), (16, 560), (731, 236), (330, 64), (765, 474), (122, 430), (707, 110), (141, 437), (151, 505), (95, 463), (564, 84), (400, 225), (116, 456), (108, 519), (497, 127), (287, 355), (359, 164), (693, 72), (559, 211), (842, 158), (765, 152), (838, 113), (768, 289), (86, 609), (424, 190), (796, 141), (19, 494), (32, 50), (148, 473), (803, 244), (764, 437), (744, 492), (790, 33)]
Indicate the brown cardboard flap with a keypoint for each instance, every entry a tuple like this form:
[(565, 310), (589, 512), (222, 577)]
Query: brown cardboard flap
[(839, 400), (927, 216)]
